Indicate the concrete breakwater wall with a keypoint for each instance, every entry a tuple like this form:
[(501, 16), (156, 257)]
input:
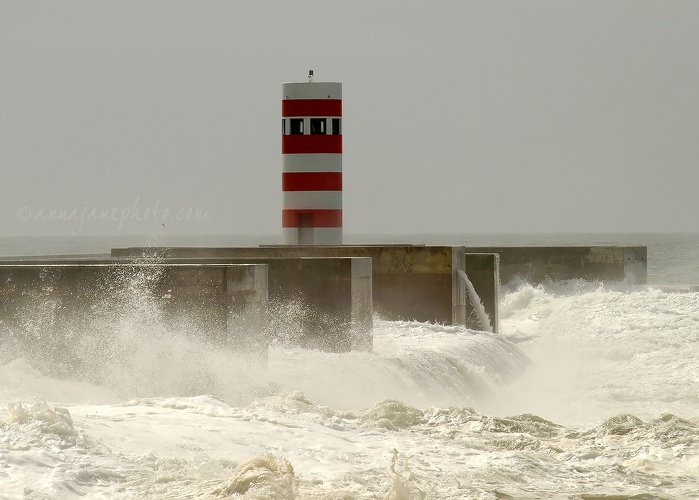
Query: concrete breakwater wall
[(322, 303), (409, 282), (320, 297), (317, 302), (314, 302), (591, 263), (60, 309)]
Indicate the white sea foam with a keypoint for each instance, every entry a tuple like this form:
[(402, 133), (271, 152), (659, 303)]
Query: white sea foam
[(598, 350), (418, 363), (590, 389)]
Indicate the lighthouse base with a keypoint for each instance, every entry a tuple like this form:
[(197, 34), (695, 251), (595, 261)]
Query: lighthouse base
[(312, 236)]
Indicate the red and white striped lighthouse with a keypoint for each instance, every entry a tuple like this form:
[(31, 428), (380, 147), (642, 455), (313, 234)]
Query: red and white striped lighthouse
[(312, 163)]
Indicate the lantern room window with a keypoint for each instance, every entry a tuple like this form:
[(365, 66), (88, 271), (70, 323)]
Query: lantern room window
[(296, 126), (318, 125)]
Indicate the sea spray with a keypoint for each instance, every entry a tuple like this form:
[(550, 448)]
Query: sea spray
[(483, 317), (404, 486)]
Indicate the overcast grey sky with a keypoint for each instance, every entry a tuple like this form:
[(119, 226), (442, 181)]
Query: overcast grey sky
[(459, 116)]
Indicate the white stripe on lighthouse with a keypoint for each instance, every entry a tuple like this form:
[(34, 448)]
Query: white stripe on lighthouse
[(318, 162), (312, 200)]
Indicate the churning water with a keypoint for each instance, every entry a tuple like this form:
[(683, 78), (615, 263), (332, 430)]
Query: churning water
[(590, 392)]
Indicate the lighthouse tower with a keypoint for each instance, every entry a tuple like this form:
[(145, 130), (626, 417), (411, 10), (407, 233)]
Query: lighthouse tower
[(312, 163)]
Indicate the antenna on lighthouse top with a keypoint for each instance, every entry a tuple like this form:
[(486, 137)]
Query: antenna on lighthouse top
[(310, 75)]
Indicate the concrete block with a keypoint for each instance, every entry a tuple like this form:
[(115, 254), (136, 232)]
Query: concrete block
[(49, 308), (603, 263), (316, 302)]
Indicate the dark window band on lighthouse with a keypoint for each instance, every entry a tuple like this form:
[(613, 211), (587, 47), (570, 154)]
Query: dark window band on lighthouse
[(296, 126), (318, 125)]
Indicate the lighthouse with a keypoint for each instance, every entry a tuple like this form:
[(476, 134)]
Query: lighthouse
[(312, 163)]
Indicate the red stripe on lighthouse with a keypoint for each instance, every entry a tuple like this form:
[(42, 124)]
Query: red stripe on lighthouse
[(311, 107), (312, 181), (316, 143), (321, 218)]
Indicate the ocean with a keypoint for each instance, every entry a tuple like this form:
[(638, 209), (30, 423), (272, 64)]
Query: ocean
[(590, 391)]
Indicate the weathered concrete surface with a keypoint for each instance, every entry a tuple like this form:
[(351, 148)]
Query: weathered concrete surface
[(247, 288), (320, 303), (410, 282), (315, 302), (604, 263), (54, 306)]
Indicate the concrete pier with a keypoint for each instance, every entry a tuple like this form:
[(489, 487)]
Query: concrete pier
[(318, 297), (409, 282), (601, 263), (49, 307)]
